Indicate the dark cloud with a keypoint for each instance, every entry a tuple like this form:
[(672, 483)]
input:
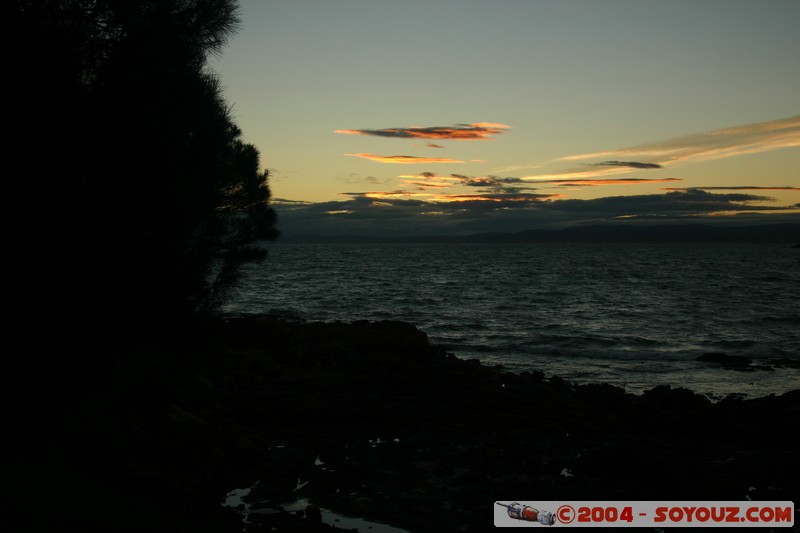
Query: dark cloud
[(431, 145), (488, 181), (284, 201), (690, 201), (367, 201), (395, 213), (733, 188), (595, 182), (428, 185), (477, 131), (630, 164)]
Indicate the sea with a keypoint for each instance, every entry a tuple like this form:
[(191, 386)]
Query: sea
[(635, 315)]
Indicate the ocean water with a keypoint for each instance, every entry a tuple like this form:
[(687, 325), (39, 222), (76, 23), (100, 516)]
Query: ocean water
[(634, 315)]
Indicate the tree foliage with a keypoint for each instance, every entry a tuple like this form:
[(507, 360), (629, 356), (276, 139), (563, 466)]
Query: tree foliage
[(134, 199)]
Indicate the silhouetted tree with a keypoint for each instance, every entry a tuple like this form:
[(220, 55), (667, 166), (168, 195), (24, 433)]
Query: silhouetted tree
[(134, 201)]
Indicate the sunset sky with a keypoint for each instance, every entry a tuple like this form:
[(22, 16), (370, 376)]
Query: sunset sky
[(465, 116)]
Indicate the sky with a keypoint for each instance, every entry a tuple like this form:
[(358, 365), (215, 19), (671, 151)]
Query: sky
[(464, 116)]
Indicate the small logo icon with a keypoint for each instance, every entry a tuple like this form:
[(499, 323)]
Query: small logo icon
[(565, 514), (529, 514)]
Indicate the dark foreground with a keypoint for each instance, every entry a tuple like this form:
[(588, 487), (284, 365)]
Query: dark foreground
[(371, 421)]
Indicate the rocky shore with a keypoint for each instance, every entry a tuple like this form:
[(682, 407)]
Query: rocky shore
[(370, 420)]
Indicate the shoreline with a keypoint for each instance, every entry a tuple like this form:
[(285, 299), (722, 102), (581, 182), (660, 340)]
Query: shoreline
[(713, 363), (369, 420), (400, 424)]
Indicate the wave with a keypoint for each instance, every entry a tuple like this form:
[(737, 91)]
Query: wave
[(621, 306)]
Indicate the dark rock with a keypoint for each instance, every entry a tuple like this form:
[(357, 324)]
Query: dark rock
[(602, 393), (665, 396), (313, 514), (411, 436), (728, 362)]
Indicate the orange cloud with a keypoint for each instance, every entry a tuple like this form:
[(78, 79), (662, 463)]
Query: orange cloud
[(404, 159), (394, 195), (496, 198), (430, 179), (460, 132), (581, 173), (428, 185), (431, 176)]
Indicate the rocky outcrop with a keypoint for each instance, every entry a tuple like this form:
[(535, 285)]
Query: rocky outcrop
[(371, 420), (375, 422)]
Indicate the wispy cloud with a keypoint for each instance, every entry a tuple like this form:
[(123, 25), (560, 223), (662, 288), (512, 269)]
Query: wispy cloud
[(595, 182), (424, 185), (716, 144), (381, 195), (431, 179), (630, 164), (445, 189), (287, 202), (507, 197), (488, 181), (353, 178), (515, 168), (733, 188), (506, 203), (404, 159), (459, 132), (586, 172)]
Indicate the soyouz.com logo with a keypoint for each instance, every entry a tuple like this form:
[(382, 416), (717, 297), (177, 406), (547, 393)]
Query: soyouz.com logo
[(644, 514)]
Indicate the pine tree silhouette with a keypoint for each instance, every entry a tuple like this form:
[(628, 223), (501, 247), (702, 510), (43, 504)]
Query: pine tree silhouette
[(134, 200)]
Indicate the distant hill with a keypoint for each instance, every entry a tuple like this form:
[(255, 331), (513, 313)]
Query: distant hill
[(788, 233)]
